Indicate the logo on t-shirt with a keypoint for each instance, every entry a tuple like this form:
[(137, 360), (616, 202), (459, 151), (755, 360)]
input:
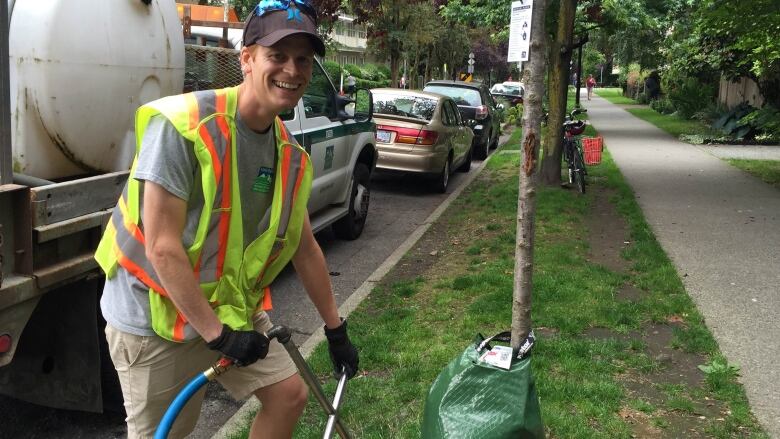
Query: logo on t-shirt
[(263, 181)]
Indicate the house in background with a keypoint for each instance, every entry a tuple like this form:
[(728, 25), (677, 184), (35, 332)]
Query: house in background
[(349, 39)]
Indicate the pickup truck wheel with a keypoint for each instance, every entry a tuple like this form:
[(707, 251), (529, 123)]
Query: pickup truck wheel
[(351, 225)]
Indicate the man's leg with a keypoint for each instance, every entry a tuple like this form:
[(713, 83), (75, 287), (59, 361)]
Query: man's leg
[(282, 405), (275, 382), (151, 372)]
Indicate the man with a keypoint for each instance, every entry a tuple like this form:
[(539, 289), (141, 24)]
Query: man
[(214, 208), (351, 81)]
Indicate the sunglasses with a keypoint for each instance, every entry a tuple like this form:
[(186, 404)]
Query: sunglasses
[(267, 6)]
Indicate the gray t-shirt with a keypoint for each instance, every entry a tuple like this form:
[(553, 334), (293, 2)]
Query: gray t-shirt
[(169, 160)]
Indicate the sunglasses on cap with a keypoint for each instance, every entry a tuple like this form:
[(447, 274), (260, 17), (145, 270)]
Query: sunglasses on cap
[(266, 6)]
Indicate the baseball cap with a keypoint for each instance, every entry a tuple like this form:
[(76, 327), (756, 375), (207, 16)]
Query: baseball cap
[(272, 20)]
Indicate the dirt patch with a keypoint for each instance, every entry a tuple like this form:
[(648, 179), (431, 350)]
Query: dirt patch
[(676, 366), (609, 233), (665, 399), (629, 293), (423, 255)]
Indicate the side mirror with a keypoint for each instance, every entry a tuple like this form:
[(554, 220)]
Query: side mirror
[(360, 108)]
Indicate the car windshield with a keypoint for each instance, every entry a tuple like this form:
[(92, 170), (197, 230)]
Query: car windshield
[(461, 95), (417, 107), (512, 89)]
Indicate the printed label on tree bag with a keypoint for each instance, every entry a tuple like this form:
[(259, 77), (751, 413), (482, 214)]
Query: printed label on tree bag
[(499, 356)]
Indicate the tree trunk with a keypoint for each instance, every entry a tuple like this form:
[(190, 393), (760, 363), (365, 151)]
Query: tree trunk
[(529, 177), (558, 83)]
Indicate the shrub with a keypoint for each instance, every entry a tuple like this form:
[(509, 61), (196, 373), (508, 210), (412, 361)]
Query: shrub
[(355, 70), (733, 122), (333, 69), (765, 122), (689, 96), (662, 105)]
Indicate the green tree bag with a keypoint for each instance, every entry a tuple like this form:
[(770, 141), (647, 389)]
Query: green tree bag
[(473, 399)]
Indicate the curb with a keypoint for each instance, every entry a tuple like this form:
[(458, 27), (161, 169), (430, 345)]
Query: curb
[(242, 417)]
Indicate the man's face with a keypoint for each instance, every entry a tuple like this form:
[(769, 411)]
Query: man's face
[(279, 74)]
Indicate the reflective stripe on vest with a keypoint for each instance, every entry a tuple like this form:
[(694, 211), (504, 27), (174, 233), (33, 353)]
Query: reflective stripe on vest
[(233, 288)]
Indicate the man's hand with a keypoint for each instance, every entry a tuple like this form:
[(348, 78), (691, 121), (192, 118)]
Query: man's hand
[(342, 353), (243, 347)]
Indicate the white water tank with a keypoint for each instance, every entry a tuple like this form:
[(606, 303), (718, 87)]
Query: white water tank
[(79, 70)]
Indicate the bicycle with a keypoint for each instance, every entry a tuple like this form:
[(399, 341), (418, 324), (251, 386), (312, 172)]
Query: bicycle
[(572, 149)]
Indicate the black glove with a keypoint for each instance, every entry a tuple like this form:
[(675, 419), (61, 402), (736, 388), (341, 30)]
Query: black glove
[(342, 353), (243, 347)]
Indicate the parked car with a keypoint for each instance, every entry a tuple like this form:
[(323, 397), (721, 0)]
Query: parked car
[(476, 105), (421, 132), (512, 91)]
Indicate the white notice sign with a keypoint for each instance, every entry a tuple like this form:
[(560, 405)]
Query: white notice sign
[(520, 30)]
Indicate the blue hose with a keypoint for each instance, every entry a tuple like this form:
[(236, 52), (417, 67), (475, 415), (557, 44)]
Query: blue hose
[(178, 404)]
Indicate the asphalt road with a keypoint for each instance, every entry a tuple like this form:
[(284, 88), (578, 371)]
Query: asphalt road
[(399, 204)]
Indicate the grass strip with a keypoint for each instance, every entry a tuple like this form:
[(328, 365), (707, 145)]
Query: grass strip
[(766, 170), (457, 281), (614, 95), (673, 124)]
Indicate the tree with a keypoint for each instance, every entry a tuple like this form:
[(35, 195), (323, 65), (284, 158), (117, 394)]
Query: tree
[(526, 197), (736, 39), (387, 22)]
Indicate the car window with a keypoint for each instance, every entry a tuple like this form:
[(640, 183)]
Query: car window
[(446, 114), (461, 95), (452, 113), (320, 95), (456, 113), (418, 107)]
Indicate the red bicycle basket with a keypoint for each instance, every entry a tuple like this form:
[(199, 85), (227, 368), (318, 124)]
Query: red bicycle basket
[(592, 147)]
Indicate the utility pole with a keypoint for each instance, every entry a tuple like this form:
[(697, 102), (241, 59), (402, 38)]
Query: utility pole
[(533, 78)]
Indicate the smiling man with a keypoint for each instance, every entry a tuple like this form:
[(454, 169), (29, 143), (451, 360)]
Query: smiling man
[(214, 208)]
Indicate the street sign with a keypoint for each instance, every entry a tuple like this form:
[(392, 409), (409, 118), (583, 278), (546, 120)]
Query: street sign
[(471, 62), (520, 30), (470, 68)]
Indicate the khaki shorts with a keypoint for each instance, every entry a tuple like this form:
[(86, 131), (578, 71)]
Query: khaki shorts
[(153, 370)]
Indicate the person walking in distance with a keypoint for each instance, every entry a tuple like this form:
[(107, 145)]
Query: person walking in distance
[(589, 84), (213, 210), (351, 85)]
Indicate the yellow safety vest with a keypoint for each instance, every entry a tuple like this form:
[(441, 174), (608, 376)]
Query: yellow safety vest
[(233, 279)]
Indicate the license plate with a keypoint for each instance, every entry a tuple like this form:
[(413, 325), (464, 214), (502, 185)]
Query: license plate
[(383, 136)]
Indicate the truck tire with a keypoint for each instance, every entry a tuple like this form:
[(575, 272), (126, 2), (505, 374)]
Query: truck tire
[(351, 225)]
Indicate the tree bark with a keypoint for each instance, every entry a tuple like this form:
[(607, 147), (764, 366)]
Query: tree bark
[(558, 83), (529, 177)]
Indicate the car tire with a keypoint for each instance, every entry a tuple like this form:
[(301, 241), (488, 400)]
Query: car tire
[(350, 226), (484, 148), (466, 165), (443, 181)]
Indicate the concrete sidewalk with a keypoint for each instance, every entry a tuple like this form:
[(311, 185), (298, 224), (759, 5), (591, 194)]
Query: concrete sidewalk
[(721, 228)]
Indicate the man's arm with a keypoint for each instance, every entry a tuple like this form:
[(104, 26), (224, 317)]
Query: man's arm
[(309, 263), (164, 220)]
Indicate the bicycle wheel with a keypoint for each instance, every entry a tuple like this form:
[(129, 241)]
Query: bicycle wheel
[(579, 171), (567, 157)]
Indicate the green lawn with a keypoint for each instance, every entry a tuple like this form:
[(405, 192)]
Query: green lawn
[(614, 95), (457, 282), (767, 170), (673, 124)]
